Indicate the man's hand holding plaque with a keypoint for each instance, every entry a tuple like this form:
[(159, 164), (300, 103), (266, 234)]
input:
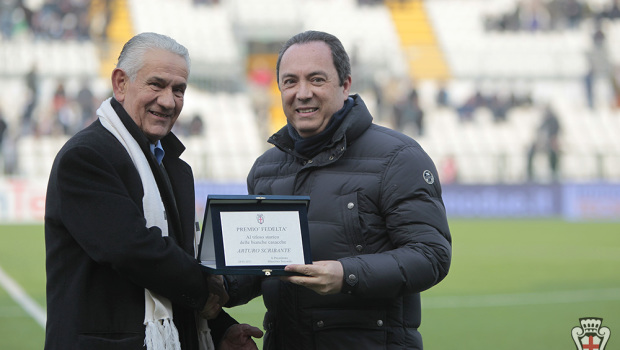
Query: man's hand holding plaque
[(218, 297), (323, 277)]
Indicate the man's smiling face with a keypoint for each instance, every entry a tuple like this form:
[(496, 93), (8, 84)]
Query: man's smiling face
[(309, 86), (154, 99)]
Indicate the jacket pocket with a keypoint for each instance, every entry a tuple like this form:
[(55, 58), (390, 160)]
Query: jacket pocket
[(119, 341), (349, 329)]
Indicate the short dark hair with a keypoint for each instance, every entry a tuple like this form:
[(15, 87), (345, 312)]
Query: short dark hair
[(339, 55)]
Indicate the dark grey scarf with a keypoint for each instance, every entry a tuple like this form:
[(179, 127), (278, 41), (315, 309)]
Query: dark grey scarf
[(313, 145)]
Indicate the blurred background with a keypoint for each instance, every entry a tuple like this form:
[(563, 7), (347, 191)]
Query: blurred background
[(520, 96), (516, 101)]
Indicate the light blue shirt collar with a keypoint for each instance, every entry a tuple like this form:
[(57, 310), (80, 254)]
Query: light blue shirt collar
[(158, 151)]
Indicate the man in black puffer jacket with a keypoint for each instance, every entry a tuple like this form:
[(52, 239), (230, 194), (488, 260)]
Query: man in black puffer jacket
[(378, 228)]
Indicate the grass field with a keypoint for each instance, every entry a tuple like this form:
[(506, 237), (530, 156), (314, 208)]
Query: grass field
[(514, 284)]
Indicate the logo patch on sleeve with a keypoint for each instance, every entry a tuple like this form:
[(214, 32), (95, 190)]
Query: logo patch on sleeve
[(428, 177)]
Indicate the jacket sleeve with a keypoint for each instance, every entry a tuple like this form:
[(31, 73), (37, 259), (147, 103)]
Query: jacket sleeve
[(220, 325), (243, 288), (98, 204), (416, 222)]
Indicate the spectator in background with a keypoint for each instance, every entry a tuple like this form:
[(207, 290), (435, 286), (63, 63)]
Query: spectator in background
[(61, 110), (616, 87), (599, 78), (377, 91), (449, 173), (466, 111), (86, 102), (588, 81), (6, 20), (574, 11), (15, 18), (499, 107), (3, 128), (534, 16), (196, 126), (442, 99), (62, 20), (408, 115), (612, 11), (542, 15), (205, 2), (546, 141), (47, 19), (32, 84), (567, 14), (8, 153), (499, 104)]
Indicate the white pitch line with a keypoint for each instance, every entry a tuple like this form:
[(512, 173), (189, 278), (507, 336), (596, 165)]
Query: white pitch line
[(22, 298), (495, 300)]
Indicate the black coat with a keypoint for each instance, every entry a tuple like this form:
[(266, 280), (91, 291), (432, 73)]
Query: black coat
[(100, 256), (376, 206)]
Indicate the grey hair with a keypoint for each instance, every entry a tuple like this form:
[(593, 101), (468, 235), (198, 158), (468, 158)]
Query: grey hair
[(339, 54), (131, 58)]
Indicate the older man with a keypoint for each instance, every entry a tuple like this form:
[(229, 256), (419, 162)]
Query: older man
[(120, 225)]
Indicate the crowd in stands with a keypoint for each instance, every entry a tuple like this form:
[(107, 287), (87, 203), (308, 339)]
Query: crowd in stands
[(206, 2), (52, 20), (64, 114), (498, 104), (559, 15), (539, 15), (408, 114), (67, 113)]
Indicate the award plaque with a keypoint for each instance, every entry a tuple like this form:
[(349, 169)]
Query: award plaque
[(251, 234)]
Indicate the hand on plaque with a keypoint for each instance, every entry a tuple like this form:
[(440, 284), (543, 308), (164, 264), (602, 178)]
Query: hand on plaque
[(218, 297), (323, 277)]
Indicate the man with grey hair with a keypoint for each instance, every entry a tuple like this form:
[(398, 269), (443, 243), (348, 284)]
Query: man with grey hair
[(120, 222)]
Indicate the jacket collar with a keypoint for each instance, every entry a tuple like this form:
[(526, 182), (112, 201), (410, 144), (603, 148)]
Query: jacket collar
[(171, 144), (353, 125)]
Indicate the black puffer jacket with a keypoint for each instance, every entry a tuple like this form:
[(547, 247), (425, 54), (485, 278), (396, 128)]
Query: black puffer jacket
[(375, 205)]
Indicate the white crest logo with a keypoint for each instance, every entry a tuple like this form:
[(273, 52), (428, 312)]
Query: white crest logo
[(590, 336), (428, 177)]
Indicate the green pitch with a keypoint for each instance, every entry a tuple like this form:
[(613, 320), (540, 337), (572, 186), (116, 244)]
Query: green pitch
[(513, 284)]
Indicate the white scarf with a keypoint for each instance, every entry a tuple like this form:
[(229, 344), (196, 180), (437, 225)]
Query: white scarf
[(161, 333)]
